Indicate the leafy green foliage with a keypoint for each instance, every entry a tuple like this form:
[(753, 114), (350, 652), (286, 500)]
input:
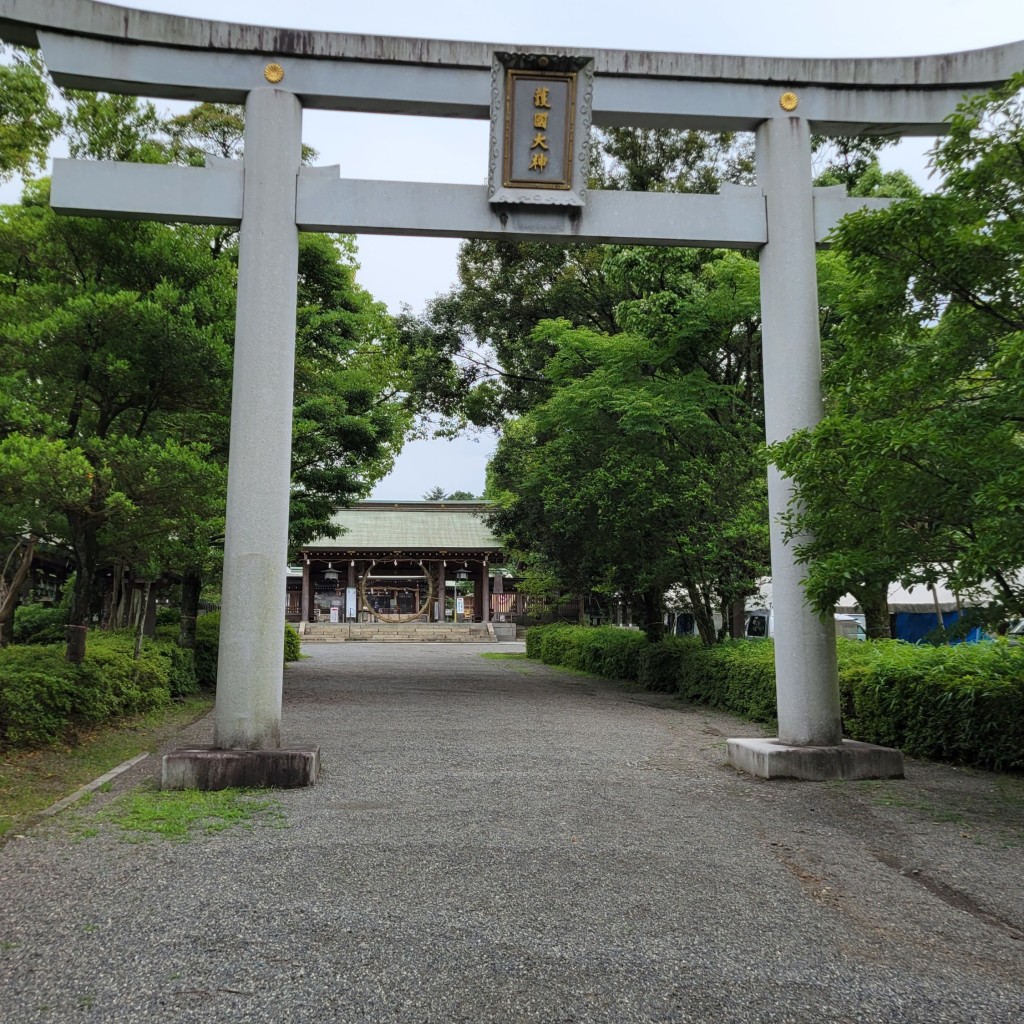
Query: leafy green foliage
[(43, 698), (963, 704), (352, 412), (604, 651), (737, 676), (673, 160), (114, 389), (117, 369), (852, 161), (438, 494), (631, 475), (292, 644), (39, 624), (207, 645), (113, 127), (915, 472), (38, 695), (28, 121)]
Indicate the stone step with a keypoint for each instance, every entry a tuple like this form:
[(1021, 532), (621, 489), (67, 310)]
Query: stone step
[(375, 632)]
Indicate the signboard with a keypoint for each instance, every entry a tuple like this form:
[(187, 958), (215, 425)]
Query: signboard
[(350, 603), (460, 605), (540, 127), (334, 615)]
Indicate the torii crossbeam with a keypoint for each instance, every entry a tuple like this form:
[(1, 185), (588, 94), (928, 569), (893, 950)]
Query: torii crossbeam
[(278, 72)]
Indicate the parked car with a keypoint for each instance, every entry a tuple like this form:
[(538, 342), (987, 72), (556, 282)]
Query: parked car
[(761, 623)]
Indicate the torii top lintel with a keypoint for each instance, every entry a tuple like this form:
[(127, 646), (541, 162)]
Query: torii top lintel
[(98, 46)]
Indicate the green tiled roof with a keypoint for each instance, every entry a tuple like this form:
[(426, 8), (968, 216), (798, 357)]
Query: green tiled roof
[(413, 526)]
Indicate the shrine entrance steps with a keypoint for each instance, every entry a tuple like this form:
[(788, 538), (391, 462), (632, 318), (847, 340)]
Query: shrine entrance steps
[(402, 633)]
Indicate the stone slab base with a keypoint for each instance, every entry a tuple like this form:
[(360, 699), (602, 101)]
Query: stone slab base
[(772, 759), (208, 768)]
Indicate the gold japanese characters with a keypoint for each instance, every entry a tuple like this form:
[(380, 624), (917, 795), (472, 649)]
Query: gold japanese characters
[(540, 108), (539, 129)]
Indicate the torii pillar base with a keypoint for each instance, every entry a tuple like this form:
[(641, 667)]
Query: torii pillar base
[(773, 759), (209, 768)]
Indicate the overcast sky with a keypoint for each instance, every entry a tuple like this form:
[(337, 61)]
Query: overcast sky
[(412, 270)]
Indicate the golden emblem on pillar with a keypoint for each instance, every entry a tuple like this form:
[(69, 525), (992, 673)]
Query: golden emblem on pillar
[(788, 101), (273, 73)]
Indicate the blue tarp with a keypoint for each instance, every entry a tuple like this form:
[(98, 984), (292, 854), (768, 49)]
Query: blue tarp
[(915, 627)]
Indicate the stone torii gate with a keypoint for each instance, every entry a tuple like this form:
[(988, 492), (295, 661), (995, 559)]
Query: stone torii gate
[(276, 73)]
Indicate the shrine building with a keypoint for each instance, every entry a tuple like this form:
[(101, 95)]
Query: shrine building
[(394, 561)]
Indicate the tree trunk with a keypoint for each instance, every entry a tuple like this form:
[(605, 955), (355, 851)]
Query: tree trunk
[(115, 595), (875, 602), (738, 618), (78, 617), (702, 616), (141, 627), (191, 586), (86, 553), (654, 612), (9, 592)]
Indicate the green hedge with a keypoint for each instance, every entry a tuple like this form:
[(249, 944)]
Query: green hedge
[(962, 703), (39, 624), (292, 644), (603, 650), (207, 642), (44, 699)]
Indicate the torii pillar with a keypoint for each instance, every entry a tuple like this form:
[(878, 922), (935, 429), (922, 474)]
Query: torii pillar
[(810, 744), (247, 714)]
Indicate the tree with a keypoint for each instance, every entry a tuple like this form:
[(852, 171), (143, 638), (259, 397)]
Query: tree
[(477, 343), (672, 160), (914, 473), (28, 121), (438, 494), (118, 340), (506, 365), (116, 357), (631, 477), (353, 408)]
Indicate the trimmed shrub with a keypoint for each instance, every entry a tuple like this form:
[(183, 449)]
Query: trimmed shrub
[(166, 616), (734, 675), (603, 650), (660, 663), (292, 644), (38, 695), (963, 703), (44, 699), (181, 670), (534, 635), (39, 624), (207, 642)]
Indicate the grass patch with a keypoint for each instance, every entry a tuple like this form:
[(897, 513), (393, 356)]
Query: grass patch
[(182, 814), (500, 656), (32, 780)]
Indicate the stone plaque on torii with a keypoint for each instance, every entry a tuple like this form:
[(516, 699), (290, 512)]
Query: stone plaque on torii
[(276, 73)]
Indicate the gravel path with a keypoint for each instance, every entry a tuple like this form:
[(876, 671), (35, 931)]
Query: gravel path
[(494, 840)]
